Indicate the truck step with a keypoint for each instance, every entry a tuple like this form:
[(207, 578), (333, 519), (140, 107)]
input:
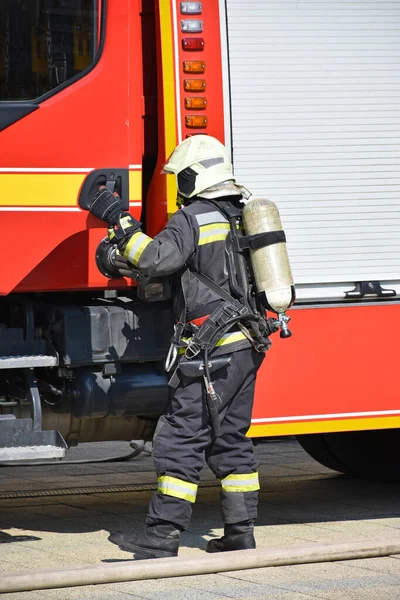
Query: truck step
[(23, 362), (21, 453), (27, 354), (19, 441)]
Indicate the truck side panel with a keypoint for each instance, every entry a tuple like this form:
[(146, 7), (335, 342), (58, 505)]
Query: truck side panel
[(46, 156)]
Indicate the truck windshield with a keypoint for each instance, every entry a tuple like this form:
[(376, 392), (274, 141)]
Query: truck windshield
[(44, 44)]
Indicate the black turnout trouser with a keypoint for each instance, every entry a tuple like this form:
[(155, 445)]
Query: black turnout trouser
[(184, 440)]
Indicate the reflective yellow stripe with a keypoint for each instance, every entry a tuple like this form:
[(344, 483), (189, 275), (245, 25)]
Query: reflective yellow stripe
[(213, 226), (230, 338), (125, 220), (134, 248), (213, 232), (139, 251), (172, 486), (186, 341), (247, 482), (218, 237)]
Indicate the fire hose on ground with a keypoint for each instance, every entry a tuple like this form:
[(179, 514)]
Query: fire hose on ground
[(195, 565)]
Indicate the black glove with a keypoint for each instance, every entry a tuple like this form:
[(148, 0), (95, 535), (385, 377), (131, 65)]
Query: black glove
[(106, 206), (123, 229), (127, 269)]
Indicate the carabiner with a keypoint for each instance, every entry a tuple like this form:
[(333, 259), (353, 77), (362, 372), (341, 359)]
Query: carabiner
[(171, 357)]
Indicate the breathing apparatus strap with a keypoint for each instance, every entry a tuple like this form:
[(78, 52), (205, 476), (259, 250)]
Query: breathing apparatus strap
[(217, 289), (224, 317), (260, 240), (243, 242), (239, 271)]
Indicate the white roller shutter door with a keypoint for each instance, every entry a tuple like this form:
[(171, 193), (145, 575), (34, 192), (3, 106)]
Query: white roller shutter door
[(315, 126)]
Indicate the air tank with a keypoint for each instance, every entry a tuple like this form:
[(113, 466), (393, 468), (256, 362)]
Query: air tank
[(270, 263)]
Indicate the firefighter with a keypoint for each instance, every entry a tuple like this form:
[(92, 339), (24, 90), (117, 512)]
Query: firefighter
[(192, 248)]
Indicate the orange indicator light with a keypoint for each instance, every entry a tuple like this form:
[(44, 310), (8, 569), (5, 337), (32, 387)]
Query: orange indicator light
[(195, 103), (194, 66), (194, 85), (196, 121)]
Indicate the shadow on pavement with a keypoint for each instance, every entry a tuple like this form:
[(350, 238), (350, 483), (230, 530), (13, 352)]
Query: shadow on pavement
[(298, 491)]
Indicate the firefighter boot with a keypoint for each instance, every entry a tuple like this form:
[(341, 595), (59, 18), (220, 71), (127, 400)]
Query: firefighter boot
[(156, 541), (238, 536)]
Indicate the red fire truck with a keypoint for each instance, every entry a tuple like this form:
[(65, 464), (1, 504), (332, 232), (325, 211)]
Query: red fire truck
[(304, 94)]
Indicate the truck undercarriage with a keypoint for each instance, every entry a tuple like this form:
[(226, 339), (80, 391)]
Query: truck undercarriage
[(89, 366)]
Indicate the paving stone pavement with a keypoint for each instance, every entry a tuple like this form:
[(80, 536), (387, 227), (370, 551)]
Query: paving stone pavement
[(296, 507)]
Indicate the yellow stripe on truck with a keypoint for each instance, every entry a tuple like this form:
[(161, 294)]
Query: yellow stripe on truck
[(322, 426), (168, 76), (135, 185), (28, 189), (52, 189)]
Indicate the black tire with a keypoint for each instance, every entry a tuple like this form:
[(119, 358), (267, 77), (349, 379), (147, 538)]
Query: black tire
[(318, 448), (373, 455)]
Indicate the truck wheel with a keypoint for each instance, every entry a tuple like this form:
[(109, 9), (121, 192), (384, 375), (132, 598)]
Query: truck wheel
[(317, 446), (372, 455)]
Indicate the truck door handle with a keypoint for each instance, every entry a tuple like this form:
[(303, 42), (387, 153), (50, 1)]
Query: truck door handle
[(116, 180)]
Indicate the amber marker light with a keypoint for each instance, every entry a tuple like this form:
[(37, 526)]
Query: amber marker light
[(196, 121), (194, 85), (192, 43), (194, 66), (195, 103)]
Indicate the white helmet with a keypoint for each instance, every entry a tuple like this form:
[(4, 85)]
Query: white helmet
[(199, 162)]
